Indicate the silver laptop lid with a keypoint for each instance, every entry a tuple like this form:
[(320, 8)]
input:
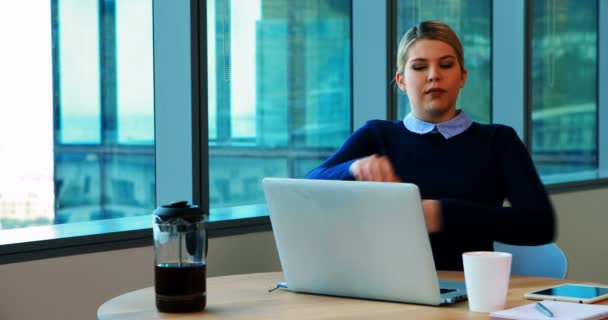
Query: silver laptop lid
[(356, 239)]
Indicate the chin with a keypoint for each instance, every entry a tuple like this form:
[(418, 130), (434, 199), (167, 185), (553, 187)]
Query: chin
[(438, 112)]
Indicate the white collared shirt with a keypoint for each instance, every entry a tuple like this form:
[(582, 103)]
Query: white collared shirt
[(448, 129)]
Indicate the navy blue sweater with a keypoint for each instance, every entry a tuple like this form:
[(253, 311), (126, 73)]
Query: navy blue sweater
[(471, 175)]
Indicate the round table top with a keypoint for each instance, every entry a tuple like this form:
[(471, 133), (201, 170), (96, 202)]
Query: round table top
[(247, 296)]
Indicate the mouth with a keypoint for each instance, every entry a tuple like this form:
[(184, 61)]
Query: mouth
[(434, 91)]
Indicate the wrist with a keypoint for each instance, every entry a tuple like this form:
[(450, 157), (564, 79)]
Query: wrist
[(353, 168), (433, 216)]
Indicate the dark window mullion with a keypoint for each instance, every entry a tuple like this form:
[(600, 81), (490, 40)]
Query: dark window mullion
[(602, 86), (56, 65), (107, 71), (108, 96), (224, 67), (55, 32), (528, 56)]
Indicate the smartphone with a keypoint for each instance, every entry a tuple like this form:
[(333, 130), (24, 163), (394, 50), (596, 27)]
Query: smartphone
[(580, 293)]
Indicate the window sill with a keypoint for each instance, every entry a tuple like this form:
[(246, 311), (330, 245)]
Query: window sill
[(575, 186), (24, 244)]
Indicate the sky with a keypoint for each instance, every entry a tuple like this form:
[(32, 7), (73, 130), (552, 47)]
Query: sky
[(26, 132)]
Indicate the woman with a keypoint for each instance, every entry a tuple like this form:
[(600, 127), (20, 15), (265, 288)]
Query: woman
[(465, 170)]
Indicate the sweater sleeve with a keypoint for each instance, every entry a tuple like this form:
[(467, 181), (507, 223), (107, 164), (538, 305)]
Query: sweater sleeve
[(363, 142), (530, 218)]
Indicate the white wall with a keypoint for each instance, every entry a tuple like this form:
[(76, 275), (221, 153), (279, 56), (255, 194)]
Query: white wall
[(582, 229), (74, 287)]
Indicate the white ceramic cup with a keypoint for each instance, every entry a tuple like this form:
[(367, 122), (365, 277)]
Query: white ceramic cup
[(486, 275)]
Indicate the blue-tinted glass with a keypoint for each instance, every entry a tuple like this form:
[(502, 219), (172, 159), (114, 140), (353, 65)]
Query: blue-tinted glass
[(129, 188), (471, 20), (279, 91), (134, 73), (564, 89), (236, 179), (77, 186), (78, 71)]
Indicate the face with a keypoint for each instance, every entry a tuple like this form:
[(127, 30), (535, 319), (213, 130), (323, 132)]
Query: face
[(432, 79)]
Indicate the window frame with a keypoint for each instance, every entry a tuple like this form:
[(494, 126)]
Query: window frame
[(602, 40)]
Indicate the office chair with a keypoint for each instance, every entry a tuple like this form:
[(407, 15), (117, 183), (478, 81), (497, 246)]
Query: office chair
[(546, 260)]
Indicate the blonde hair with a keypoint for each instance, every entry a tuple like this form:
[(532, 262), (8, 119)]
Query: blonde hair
[(429, 30)]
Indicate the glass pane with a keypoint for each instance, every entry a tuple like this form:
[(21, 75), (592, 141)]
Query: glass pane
[(248, 172), (128, 194), (88, 153), (135, 92), (77, 186), (78, 74), (564, 89), (279, 91), (471, 21)]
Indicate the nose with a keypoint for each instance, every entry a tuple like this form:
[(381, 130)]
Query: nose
[(434, 74)]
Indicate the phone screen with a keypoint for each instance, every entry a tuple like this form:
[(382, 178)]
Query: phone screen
[(574, 291)]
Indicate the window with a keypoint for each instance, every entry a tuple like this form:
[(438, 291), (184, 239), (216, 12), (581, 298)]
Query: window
[(471, 22), (77, 142), (279, 91), (564, 89)]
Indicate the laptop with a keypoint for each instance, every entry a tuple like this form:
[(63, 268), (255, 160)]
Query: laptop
[(356, 239)]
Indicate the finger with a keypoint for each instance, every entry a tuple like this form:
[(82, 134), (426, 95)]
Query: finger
[(388, 172), (355, 169), (392, 176), (364, 170), (378, 169), (371, 170)]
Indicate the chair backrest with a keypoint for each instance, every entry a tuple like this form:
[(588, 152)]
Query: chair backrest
[(546, 260)]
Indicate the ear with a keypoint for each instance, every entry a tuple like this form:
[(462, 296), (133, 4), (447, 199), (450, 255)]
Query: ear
[(463, 77), (400, 81)]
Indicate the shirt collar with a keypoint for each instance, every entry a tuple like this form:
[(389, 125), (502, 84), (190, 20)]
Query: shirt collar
[(448, 129)]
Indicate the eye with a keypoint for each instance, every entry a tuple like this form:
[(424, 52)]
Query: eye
[(418, 67), (446, 65)]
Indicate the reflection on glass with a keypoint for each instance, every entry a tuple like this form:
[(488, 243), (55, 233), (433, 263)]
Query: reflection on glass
[(471, 21), (237, 178), (77, 186), (279, 91), (128, 194), (564, 89)]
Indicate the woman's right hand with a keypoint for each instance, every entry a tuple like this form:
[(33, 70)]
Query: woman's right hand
[(374, 168)]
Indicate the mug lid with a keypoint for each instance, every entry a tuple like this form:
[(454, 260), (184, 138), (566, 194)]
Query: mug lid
[(178, 209)]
